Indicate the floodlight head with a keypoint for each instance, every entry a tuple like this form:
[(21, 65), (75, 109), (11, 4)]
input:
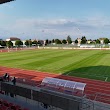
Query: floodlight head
[(5, 1)]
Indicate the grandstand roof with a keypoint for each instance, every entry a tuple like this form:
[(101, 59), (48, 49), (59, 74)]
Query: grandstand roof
[(4, 1)]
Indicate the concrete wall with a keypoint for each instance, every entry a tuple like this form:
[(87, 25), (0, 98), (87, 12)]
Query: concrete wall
[(55, 100)]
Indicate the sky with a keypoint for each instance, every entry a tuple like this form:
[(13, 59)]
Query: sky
[(51, 19)]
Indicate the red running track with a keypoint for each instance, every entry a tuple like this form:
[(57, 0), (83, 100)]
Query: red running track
[(35, 78)]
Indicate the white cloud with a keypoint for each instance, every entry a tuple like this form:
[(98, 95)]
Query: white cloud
[(6, 5), (59, 28), (2, 16)]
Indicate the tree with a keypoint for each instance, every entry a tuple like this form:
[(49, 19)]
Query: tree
[(46, 41), (97, 41), (18, 43), (49, 41), (106, 41), (3, 43), (34, 42), (53, 41), (69, 40), (64, 41), (76, 41), (83, 40), (92, 42), (57, 41), (28, 42), (9, 44), (39, 43)]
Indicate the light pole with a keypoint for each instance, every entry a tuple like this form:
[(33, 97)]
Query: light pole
[(29, 42)]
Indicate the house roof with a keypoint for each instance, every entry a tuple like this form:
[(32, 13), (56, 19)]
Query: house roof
[(4, 1), (14, 38)]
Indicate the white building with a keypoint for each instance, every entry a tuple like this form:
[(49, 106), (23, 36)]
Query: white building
[(13, 40)]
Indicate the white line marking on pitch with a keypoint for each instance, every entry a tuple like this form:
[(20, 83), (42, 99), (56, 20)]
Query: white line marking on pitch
[(106, 78), (68, 73)]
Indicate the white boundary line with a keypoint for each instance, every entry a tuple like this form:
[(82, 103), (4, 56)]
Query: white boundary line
[(106, 78), (68, 73)]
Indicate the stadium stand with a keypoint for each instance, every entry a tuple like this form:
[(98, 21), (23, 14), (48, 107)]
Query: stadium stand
[(43, 95), (92, 91), (46, 96), (5, 105)]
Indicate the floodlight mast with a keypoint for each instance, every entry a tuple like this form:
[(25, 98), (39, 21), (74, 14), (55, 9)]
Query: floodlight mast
[(5, 1)]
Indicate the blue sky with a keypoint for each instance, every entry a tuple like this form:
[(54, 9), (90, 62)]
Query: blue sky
[(42, 19)]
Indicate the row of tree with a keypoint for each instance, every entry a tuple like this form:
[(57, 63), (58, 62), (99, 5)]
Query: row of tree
[(83, 40), (29, 42), (97, 41), (10, 43), (58, 41), (19, 43)]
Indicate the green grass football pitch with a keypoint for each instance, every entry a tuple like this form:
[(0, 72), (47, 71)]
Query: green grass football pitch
[(94, 64)]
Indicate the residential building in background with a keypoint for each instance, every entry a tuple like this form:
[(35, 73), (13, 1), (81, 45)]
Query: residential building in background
[(13, 40)]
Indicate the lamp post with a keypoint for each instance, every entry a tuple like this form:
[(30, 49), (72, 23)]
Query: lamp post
[(29, 42)]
